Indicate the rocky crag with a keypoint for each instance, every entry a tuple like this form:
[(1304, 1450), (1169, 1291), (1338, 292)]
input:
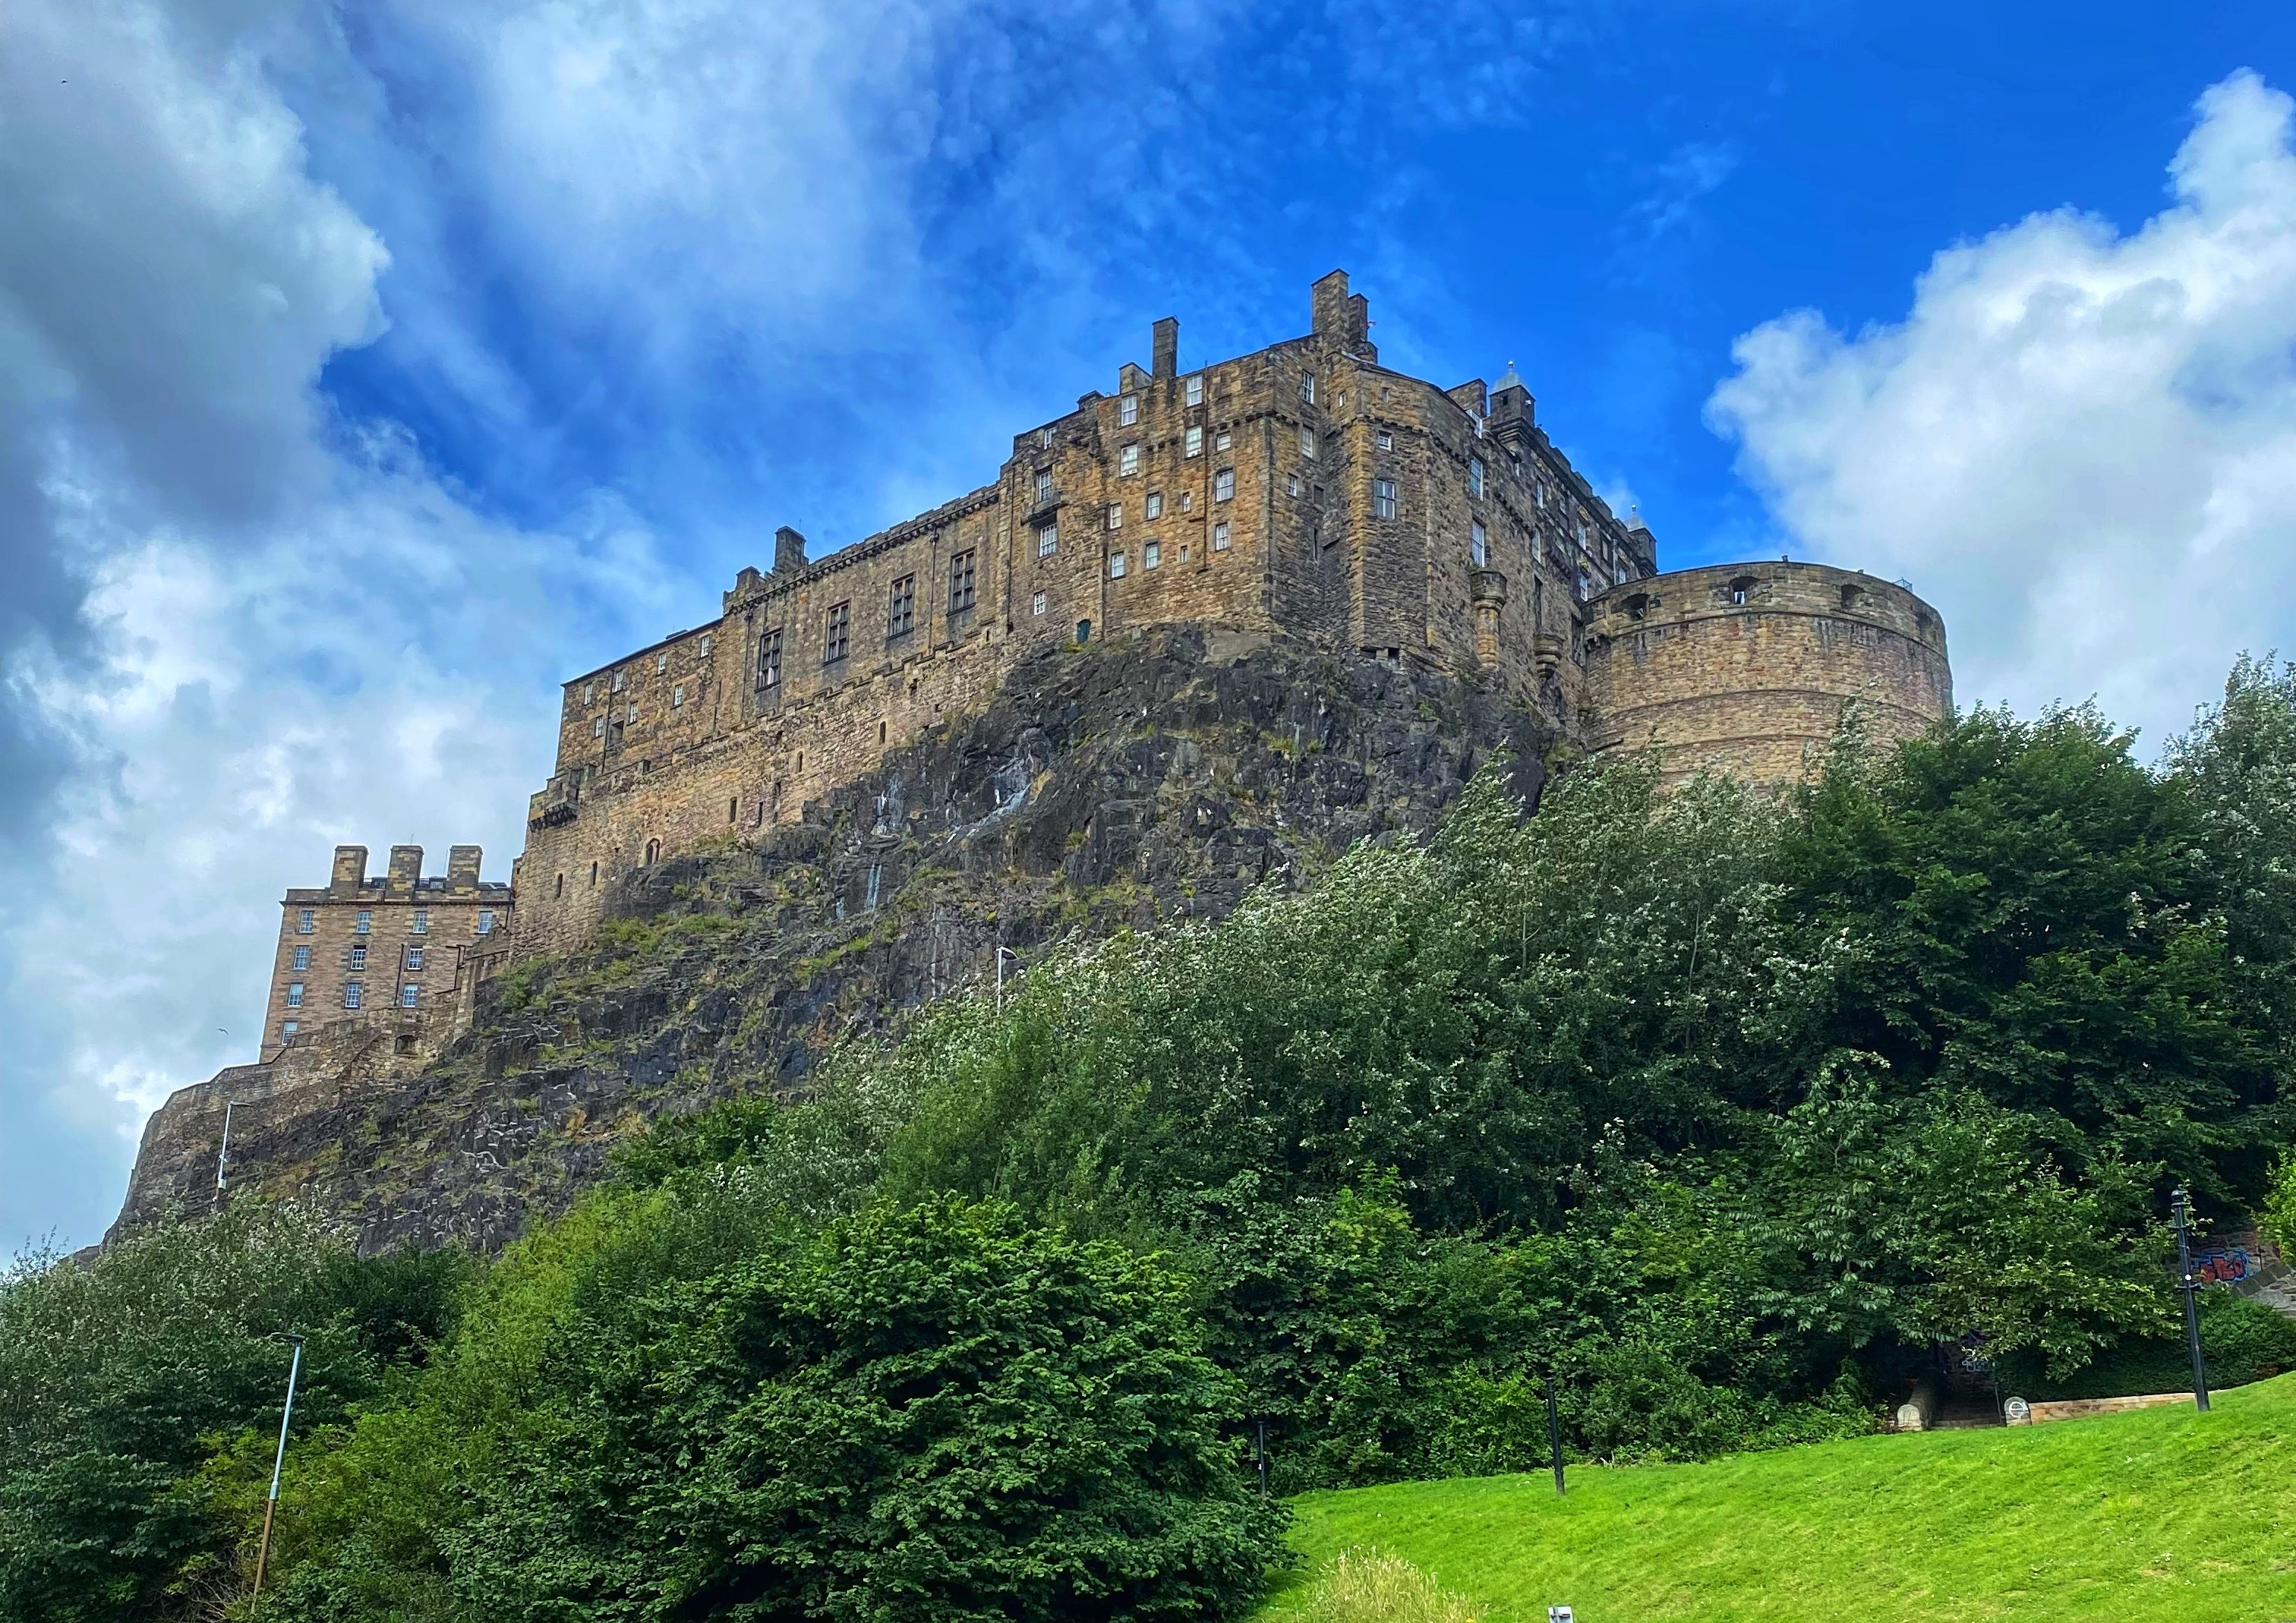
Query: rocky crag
[(1119, 784)]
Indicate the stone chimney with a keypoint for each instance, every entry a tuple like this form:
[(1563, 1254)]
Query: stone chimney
[(1164, 348), (463, 868), (350, 870), (1512, 409), (789, 550), (1328, 306), (406, 868)]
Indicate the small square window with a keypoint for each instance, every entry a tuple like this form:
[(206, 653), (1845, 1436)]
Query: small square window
[(1044, 486), (303, 921), (1127, 462), (1220, 440), (1382, 498), (1036, 603), (1150, 555), (1116, 566), (1223, 485), (366, 922), (1474, 476), (302, 958), (1220, 537), (294, 994), (1307, 440), (407, 994), (352, 993), (1385, 440), (1154, 507), (1048, 539), (1116, 515), (1195, 440), (1127, 409), (420, 925), (1195, 390)]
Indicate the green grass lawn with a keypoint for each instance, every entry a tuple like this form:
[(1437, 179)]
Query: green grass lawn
[(2162, 1513)]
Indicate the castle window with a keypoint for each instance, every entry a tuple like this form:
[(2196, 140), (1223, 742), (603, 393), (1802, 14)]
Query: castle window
[(1187, 501), (1585, 586), (634, 712), (837, 633), (960, 580), (1478, 544), (1637, 606), (1223, 485), (559, 889), (589, 692), (901, 612), (1153, 507), (1290, 484), (1474, 476), (1195, 440), (1127, 409), (1220, 440), (1084, 631), (594, 873), (1127, 462), (1195, 389), (421, 923), (1382, 498), (705, 644), (662, 663), (1044, 486), (1741, 588), (1116, 515), (294, 994), (1049, 538), (653, 852), (1036, 603), (1308, 387), (486, 926), (1852, 597), (598, 726), (303, 921), (1538, 490), (1116, 566), (769, 659), (358, 957), (1220, 537), (289, 1028), (352, 993), (1307, 440), (365, 923), (734, 809), (302, 958), (1150, 555), (414, 957), (617, 685), (1385, 440), (407, 994)]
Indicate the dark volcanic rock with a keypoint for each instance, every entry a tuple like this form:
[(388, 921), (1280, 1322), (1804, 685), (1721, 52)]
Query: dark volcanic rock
[(1126, 785)]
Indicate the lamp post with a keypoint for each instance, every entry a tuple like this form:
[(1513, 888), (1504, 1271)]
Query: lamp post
[(1553, 1436), (278, 1463), (2180, 1208)]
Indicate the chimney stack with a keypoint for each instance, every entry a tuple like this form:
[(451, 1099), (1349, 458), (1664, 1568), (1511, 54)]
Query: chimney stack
[(350, 870), (789, 550), (463, 868), (1328, 306), (1164, 348), (406, 868)]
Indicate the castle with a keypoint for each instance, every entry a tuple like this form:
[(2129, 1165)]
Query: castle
[(1303, 492)]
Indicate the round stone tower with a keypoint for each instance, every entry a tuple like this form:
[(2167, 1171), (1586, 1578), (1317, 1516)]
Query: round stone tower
[(1747, 667)]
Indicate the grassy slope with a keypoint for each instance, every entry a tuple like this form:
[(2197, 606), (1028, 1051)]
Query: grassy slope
[(2162, 1513)]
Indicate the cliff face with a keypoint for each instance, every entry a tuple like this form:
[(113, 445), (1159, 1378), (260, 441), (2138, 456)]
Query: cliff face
[(1126, 783)]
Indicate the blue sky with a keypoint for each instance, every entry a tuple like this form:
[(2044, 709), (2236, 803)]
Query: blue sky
[(364, 371)]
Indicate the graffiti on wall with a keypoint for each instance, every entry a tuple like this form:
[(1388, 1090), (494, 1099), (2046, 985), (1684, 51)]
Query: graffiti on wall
[(2222, 1268)]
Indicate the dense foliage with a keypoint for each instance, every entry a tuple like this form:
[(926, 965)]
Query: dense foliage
[(1718, 1118)]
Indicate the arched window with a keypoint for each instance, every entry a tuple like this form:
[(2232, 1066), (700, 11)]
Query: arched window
[(1084, 631), (653, 852)]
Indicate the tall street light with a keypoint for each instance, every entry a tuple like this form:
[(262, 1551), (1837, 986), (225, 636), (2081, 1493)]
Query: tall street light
[(278, 1463), (2180, 1206)]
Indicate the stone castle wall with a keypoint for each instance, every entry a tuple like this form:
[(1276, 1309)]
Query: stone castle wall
[(1301, 490), (1748, 668)]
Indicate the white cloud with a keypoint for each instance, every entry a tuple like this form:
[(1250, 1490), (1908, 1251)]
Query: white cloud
[(2080, 445)]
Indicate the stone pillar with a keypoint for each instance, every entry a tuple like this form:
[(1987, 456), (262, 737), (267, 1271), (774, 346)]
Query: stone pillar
[(1487, 590), (1164, 358)]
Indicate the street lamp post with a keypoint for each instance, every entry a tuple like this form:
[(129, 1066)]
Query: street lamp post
[(1554, 1435), (2180, 1207), (278, 1463)]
